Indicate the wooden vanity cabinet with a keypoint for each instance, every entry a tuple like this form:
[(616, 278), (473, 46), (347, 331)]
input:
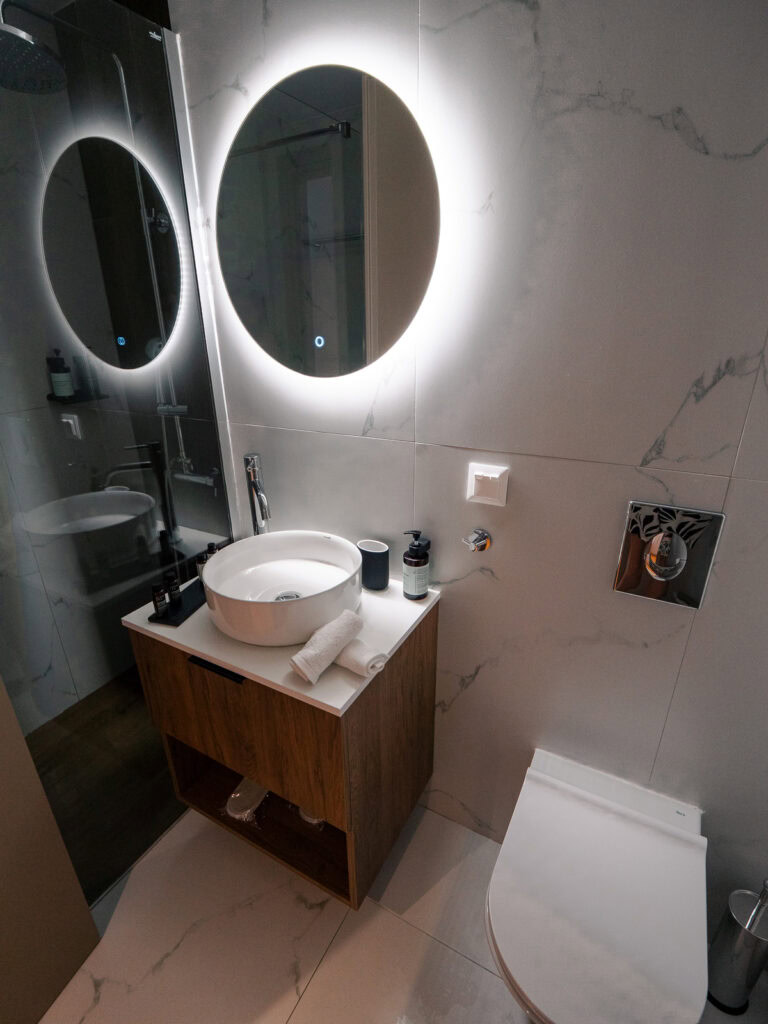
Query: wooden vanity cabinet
[(362, 771)]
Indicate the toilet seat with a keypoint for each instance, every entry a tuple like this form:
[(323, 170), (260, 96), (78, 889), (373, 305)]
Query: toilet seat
[(596, 910)]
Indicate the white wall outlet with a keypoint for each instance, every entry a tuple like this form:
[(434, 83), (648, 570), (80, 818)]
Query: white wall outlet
[(487, 484)]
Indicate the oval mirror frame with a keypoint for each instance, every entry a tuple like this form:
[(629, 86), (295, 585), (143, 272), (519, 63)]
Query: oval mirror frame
[(111, 252), (327, 220)]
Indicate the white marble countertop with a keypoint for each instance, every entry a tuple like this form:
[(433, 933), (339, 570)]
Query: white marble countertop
[(388, 619)]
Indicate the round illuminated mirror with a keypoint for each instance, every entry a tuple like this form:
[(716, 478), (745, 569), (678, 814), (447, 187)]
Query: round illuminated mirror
[(111, 252), (327, 220)]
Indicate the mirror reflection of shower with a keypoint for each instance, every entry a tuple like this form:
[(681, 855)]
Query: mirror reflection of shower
[(109, 456), (30, 66), (26, 64), (327, 220)]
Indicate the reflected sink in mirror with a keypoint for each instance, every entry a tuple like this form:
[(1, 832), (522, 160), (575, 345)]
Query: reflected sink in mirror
[(92, 534), (278, 588)]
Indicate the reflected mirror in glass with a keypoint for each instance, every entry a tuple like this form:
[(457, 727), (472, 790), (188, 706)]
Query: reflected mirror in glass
[(111, 252), (327, 220)]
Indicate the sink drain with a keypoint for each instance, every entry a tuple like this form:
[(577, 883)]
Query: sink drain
[(288, 595)]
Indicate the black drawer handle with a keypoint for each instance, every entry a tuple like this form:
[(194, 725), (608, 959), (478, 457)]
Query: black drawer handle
[(216, 669)]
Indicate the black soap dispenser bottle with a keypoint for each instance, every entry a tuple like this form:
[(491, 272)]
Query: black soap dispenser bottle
[(416, 566)]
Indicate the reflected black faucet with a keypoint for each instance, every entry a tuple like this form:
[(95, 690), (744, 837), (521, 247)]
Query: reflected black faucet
[(156, 462)]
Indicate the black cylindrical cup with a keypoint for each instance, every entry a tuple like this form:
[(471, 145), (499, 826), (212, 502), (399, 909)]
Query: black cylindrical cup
[(375, 564)]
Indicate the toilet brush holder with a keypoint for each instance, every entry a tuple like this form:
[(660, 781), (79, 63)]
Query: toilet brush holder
[(739, 951)]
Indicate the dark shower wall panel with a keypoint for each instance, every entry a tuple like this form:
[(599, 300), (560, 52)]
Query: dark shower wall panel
[(155, 10), (63, 647)]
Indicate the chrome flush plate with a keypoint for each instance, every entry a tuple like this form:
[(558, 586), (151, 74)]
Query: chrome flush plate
[(667, 552)]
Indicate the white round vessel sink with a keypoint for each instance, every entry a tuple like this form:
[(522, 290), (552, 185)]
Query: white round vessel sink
[(278, 588), (85, 536), (86, 513)]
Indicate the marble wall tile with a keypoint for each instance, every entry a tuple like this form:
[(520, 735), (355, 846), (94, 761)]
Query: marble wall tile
[(713, 751), (230, 69), (616, 312), (44, 461), (24, 380), (23, 310), (374, 402), (353, 486), (535, 648), (602, 168), (655, 50), (752, 460), (97, 646), (229, 63), (33, 665), (16, 556)]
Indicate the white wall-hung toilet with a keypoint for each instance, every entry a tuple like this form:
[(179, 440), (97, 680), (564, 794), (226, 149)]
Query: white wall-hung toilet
[(596, 909)]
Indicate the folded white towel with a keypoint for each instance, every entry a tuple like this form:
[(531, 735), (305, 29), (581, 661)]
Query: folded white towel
[(358, 657), (324, 645)]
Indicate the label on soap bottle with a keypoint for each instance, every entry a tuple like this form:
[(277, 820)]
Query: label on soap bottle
[(415, 580)]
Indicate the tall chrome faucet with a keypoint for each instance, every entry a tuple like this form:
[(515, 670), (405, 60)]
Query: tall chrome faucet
[(260, 513)]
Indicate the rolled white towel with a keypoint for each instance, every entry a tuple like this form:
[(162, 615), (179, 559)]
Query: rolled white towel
[(324, 645), (358, 657)]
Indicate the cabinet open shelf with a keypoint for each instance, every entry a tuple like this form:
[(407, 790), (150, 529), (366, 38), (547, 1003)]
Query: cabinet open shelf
[(362, 771), (319, 854)]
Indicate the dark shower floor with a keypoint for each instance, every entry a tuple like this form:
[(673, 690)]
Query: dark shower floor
[(102, 765)]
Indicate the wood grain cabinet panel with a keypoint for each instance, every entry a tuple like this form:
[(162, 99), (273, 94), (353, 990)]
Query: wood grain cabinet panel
[(389, 744), (361, 771)]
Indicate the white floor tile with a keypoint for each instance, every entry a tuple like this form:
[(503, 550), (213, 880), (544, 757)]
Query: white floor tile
[(380, 970), (436, 878), (208, 931)]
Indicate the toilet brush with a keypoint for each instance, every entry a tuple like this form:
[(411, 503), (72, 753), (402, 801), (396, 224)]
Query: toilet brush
[(760, 908), (739, 950)]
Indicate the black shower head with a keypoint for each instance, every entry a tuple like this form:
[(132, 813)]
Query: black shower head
[(27, 65)]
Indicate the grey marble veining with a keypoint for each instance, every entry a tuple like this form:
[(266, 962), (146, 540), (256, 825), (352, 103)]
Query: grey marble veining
[(605, 175), (226, 72), (96, 646), (428, 982), (743, 366), (452, 807), (33, 665), (436, 878), (148, 961), (235, 85), (237, 939), (463, 682), (16, 555), (353, 486), (540, 651), (557, 103), (482, 570), (752, 459), (713, 747), (437, 17), (597, 321)]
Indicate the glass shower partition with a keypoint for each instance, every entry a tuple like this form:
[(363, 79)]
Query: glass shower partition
[(110, 464)]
